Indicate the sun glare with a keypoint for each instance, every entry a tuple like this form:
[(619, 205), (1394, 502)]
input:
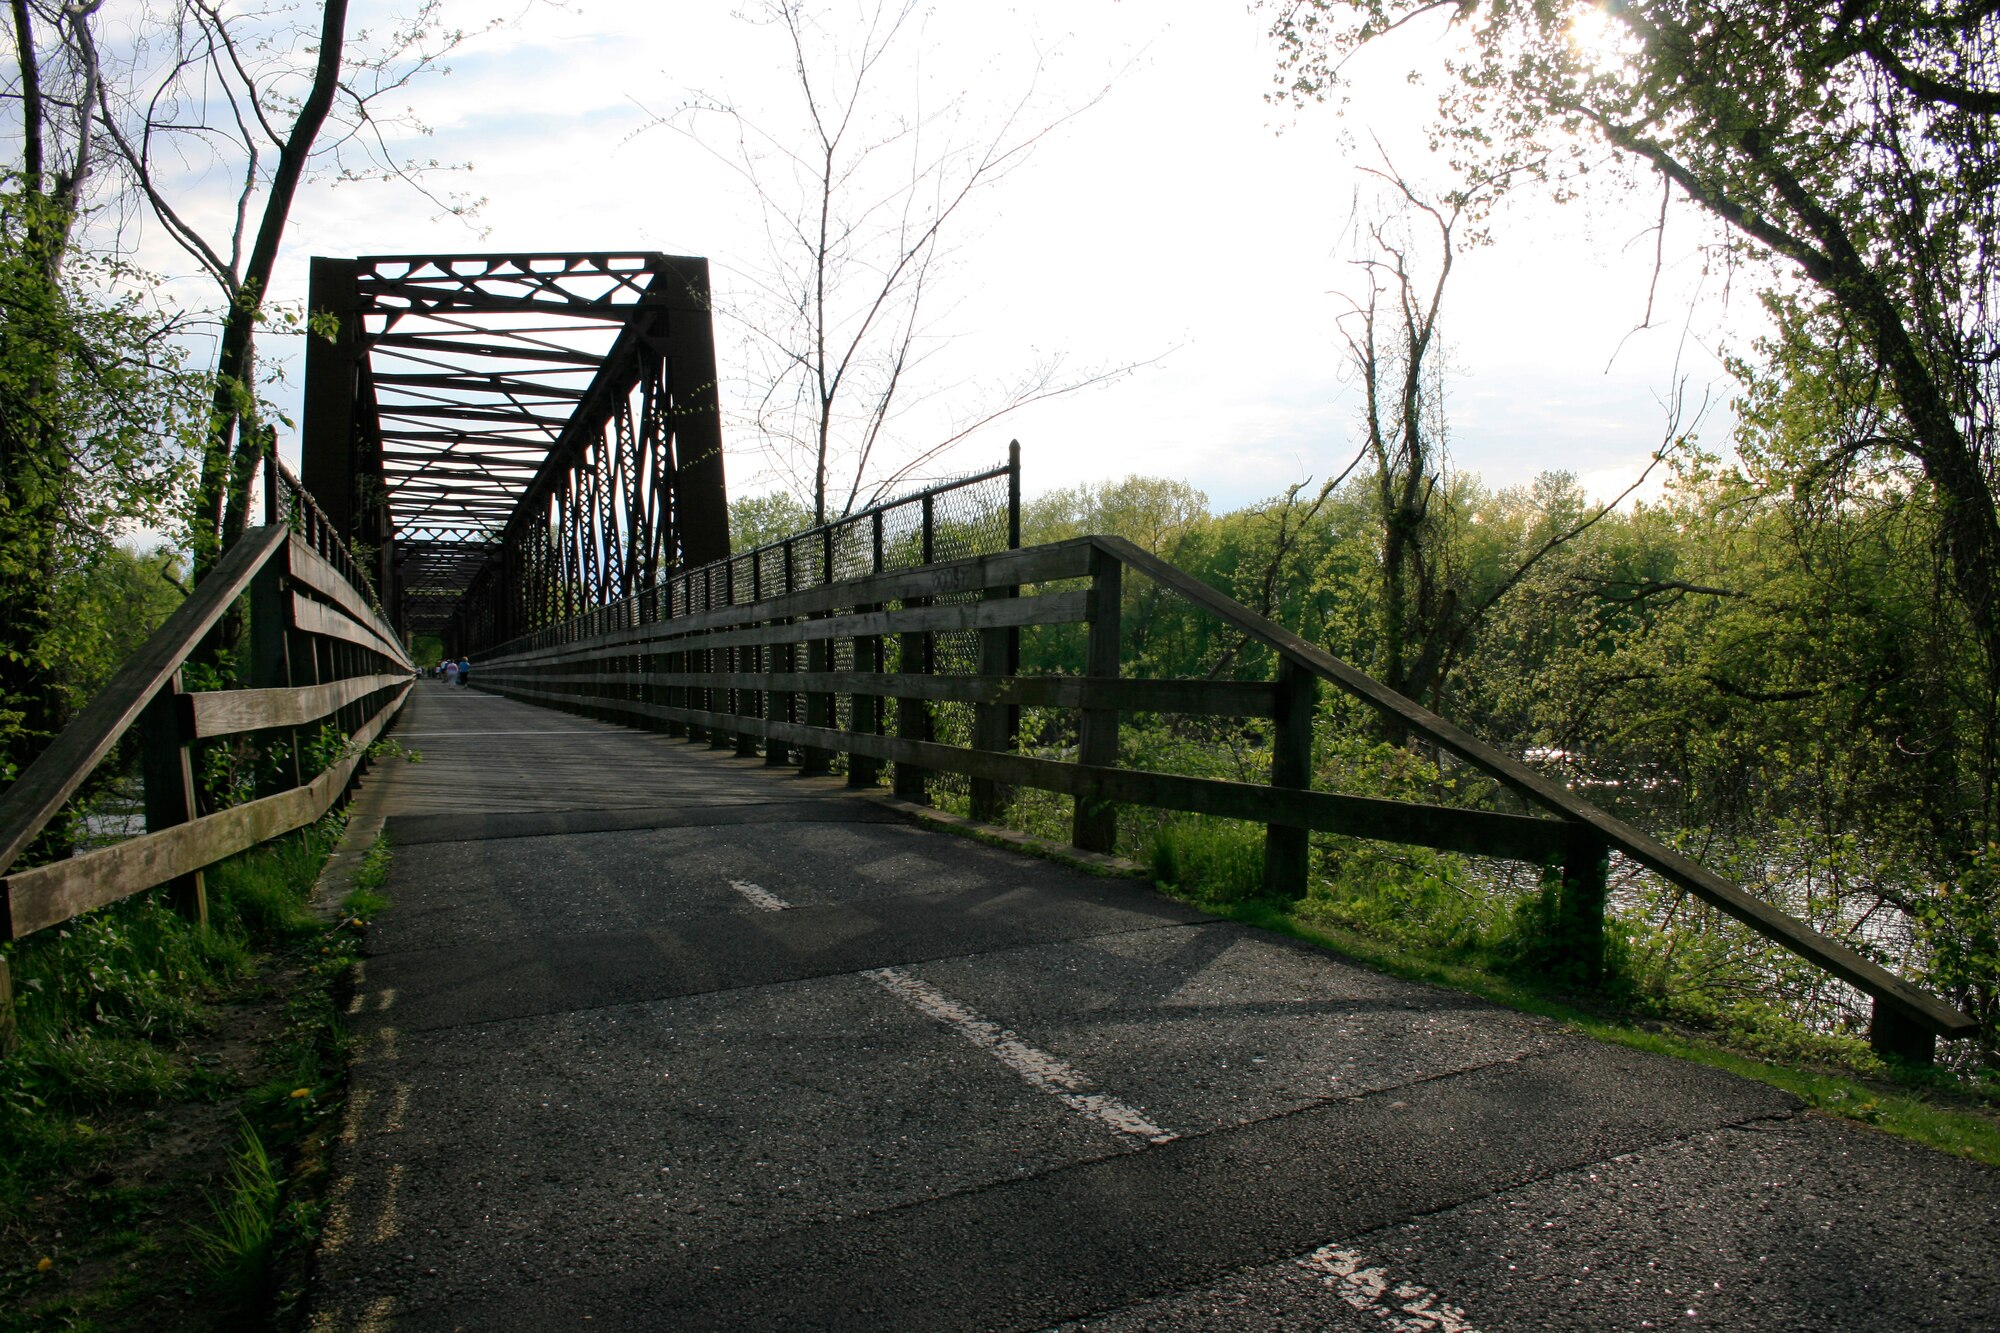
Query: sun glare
[(1601, 40)]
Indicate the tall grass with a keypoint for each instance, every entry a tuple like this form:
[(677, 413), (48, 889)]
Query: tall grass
[(235, 1252), (1210, 859), (106, 1002)]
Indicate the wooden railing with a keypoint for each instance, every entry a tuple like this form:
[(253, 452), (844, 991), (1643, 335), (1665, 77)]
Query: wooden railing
[(752, 662), (320, 656)]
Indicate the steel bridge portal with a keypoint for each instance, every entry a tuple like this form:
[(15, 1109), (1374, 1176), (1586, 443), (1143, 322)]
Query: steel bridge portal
[(511, 439)]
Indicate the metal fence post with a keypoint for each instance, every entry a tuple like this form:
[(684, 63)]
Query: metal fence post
[(1013, 495), (997, 727)]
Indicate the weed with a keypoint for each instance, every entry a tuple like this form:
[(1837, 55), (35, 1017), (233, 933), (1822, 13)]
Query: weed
[(235, 1252), (365, 898), (1213, 860), (95, 1069), (112, 1009), (262, 893)]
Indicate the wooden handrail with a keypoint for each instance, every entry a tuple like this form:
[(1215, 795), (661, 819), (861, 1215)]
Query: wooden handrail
[(366, 661), (605, 671), (1822, 950), (147, 690), (27, 806), (48, 895)]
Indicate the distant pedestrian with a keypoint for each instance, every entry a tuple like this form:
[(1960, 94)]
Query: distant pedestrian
[(465, 671), (450, 672)]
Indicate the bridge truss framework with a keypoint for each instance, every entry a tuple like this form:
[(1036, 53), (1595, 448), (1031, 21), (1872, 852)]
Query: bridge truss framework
[(516, 437)]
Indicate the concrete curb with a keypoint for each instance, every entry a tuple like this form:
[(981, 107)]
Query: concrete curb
[(365, 822)]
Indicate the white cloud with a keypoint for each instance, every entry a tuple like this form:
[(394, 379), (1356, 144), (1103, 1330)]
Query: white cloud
[(1173, 218)]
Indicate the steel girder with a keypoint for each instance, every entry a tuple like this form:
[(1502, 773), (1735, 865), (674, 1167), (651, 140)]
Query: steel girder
[(518, 437)]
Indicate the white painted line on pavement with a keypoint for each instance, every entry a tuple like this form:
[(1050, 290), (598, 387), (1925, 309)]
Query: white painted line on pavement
[(1038, 1068), (759, 897), (1404, 1307)]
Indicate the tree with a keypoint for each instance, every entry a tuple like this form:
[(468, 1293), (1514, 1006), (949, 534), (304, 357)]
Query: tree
[(93, 388), (1852, 147), (1394, 352), (1433, 600), (860, 208), (95, 434), (94, 391), (265, 96), (759, 520)]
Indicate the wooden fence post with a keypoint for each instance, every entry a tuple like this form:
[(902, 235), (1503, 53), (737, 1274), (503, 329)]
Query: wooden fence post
[(996, 727), (914, 656), (270, 623), (722, 661), (865, 710), (750, 703), (782, 657), (1893, 1035), (913, 716), (1094, 822), (165, 728), (1287, 851), (674, 661), (1586, 873), (814, 759), (697, 661), (9, 1027)]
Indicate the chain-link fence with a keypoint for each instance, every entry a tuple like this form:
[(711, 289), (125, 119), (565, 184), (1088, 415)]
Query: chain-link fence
[(973, 515), (967, 516)]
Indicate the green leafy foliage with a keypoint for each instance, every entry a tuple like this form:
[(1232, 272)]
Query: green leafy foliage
[(95, 413), (235, 1250), (1765, 668), (1959, 926), (759, 520), (1212, 860), (106, 1002)]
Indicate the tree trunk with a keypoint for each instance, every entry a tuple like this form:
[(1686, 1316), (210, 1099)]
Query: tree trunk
[(229, 462)]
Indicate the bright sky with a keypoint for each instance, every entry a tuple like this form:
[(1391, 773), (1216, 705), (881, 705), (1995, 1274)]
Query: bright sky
[(1182, 221)]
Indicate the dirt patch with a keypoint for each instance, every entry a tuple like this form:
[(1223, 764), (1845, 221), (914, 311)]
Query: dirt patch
[(119, 1235)]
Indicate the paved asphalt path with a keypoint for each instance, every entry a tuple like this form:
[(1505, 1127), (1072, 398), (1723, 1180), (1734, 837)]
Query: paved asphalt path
[(653, 1037)]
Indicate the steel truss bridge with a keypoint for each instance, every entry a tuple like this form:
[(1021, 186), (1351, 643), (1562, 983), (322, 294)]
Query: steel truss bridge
[(522, 455), (509, 440)]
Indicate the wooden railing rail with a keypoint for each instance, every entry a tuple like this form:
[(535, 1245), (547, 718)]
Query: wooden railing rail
[(761, 671), (1906, 1017), (319, 654)]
